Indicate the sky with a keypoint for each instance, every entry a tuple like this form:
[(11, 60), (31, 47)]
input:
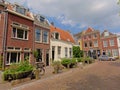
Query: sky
[(77, 15)]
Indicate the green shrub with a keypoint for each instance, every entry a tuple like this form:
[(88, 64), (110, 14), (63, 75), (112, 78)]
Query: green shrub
[(87, 60), (17, 71), (80, 59), (69, 63)]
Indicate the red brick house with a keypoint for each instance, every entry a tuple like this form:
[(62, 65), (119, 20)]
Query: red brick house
[(18, 34), (91, 44), (42, 38), (109, 43)]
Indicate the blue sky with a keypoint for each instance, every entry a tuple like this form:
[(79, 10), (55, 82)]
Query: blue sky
[(77, 15)]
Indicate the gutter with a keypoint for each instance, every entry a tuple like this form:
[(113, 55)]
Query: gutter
[(18, 14), (4, 37)]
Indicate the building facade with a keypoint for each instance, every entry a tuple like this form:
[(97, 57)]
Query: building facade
[(109, 43), (91, 44), (19, 34), (61, 44), (42, 38), (118, 41)]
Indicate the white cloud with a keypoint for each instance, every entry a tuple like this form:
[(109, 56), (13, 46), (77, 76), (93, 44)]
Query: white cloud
[(101, 13)]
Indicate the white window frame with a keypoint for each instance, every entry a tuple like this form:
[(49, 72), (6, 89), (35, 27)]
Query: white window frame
[(112, 43), (96, 43), (40, 35), (105, 43), (43, 36)]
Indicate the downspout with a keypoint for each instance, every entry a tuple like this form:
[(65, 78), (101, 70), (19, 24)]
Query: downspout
[(4, 37)]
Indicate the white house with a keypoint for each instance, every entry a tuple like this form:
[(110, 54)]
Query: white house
[(61, 44)]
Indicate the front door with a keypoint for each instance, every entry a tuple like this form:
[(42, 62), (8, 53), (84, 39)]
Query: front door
[(53, 53), (47, 58)]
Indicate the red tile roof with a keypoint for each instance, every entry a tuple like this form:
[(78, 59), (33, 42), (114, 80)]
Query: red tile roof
[(64, 35)]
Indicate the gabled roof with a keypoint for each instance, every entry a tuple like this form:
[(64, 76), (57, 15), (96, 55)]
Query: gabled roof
[(64, 35)]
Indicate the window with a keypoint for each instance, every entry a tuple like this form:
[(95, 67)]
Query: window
[(106, 33), (105, 43), (40, 55), (70, 52), (85, 44), (26, 55), (119, 41), (42, 19), (45, 36), (56, 36), (66, 52), (19, 34), (38, 35), (95, 35), (59, 51), (90, 43), (95, 43), (13, 57), (20, 10), (114, 52), (111, 42)]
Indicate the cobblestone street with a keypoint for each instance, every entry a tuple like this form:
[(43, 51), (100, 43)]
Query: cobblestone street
[(104, 75)]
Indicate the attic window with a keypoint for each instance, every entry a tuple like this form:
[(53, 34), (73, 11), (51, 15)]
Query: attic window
[(42, 19), (56, 36), (20, 10), (106, 33)]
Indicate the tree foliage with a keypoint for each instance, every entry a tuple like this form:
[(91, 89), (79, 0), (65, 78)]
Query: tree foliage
[(77, 53)]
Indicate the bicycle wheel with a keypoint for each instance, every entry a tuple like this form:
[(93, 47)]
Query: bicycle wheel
[(42, 71)]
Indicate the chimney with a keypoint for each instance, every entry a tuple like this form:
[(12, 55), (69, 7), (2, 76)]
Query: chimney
[(52, 23)]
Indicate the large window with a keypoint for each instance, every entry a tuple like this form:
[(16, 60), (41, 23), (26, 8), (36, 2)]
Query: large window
[(96, 43), (114, 52), (38, 35), (66, 52), (45, 36), (105, 43), (85, 44), (20, 34), (13, 57), (90, 43), (111, 42), (26, 53), (20, 10), (59, 51)]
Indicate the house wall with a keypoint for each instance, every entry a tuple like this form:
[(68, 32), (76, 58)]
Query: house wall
[(62, 44), (13, 42)]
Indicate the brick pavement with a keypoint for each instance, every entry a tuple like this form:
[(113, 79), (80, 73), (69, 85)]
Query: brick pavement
[(98, 76)]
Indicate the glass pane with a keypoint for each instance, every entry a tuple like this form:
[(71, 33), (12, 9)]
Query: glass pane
[(25, 34), (13, 58), (20, 33), (18, 57), (14, 32), (26, 56), (37, 35), (45, 36), (7, 62)]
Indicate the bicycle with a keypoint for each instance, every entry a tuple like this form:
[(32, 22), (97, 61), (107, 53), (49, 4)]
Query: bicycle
[(40, 66)]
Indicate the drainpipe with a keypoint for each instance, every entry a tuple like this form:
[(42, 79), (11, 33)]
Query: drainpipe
[(4, 37)]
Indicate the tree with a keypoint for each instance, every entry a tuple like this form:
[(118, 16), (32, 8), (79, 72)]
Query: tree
[(77, 53)]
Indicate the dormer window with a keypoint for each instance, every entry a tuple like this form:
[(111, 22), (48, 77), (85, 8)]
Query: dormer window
[(42, 19), (56, 35), (20, 10), (106, 33)]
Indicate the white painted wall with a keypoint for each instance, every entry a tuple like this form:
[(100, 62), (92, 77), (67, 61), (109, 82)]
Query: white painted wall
[(62, 44)]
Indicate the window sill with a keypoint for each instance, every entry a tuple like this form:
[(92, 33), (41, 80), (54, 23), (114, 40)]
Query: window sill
[(41, 42), (19, 39)]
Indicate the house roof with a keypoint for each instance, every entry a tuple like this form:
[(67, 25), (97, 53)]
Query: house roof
[(11, 8), (64, 35)]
